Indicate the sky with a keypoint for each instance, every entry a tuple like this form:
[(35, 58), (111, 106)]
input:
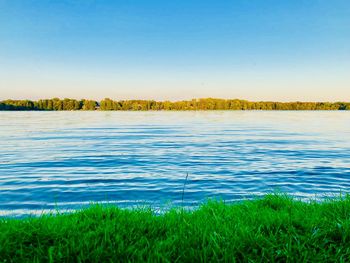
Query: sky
[(291, 50)]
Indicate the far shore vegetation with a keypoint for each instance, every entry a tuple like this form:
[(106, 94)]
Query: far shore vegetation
[(275, 228), (57, 104)]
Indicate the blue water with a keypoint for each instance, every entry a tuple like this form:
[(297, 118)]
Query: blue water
[(67, 160)]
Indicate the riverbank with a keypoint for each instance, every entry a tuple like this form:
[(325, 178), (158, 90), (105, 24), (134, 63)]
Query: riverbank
[(201, 104), (275, 228)]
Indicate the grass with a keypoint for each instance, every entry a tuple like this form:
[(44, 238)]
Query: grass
[(276, 228)]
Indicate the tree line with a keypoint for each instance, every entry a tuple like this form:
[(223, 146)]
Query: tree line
[(107, 104)]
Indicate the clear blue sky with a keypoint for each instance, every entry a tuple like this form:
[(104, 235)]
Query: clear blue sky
[(256, 49)]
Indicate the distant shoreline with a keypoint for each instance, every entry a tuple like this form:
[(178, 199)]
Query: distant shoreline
[(204, 104)]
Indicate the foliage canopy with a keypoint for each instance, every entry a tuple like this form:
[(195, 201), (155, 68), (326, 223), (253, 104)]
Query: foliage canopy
[(107, 104)]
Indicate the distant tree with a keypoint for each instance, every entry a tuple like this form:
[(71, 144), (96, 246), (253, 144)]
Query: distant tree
[(89, 105), (142, 105)]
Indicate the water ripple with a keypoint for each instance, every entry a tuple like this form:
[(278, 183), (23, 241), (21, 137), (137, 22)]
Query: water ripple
[(66, 160)]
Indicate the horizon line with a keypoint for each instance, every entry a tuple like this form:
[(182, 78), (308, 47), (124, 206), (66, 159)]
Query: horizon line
[(178, 100)]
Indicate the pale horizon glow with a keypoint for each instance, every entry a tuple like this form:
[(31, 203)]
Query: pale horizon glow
[(253, 50)]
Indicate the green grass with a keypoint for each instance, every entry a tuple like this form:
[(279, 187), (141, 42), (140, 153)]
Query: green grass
[(275, 228)]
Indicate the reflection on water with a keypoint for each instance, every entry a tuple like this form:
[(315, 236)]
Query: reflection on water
[(66, 160)]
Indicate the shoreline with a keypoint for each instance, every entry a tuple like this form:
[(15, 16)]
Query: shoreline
[(107, 104), (274, 228)]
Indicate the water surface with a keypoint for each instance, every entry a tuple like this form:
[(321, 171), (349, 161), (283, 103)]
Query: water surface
[(66, 160)]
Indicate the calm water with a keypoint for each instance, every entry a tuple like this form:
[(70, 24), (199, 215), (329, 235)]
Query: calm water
[(66, 160)]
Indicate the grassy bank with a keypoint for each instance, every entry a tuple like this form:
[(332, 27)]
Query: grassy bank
[(275, 228)]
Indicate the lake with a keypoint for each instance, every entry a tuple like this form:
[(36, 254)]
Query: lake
[(66, 160)]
